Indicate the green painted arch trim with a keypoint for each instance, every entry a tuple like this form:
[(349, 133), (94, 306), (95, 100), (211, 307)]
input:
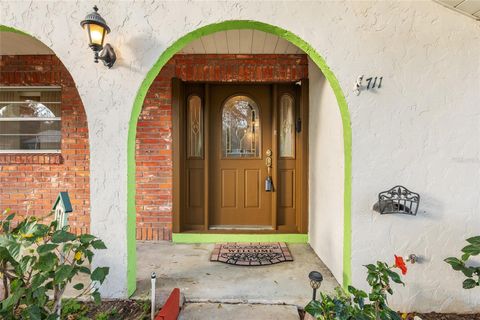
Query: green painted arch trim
[(4, 28), (155, 70)]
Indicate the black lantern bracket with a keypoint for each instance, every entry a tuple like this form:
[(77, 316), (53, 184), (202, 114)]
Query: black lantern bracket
[(107, 55), (398, 200), (97, 29)]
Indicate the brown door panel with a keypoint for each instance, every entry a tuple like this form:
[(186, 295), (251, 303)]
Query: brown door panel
[(229, 189), (252, 185), (238, 198)]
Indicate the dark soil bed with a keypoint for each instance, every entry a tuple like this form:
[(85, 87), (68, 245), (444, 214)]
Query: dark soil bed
[(432, 316), (107, 310), (140, 310), (446, 316)]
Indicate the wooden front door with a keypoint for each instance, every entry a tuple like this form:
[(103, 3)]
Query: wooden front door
[(228, 138), (240, 135)]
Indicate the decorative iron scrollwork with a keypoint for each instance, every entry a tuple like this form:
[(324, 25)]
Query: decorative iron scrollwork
[(397, 200)]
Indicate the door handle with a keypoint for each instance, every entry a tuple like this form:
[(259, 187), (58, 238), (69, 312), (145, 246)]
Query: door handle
[(268, 162), (268, 179), (268, 159)]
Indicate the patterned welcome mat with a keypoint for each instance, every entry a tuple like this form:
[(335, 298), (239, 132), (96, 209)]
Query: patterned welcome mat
[(252, 253)]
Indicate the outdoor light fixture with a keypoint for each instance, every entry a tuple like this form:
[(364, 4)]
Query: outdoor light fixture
[(97, 28), (316, 279)]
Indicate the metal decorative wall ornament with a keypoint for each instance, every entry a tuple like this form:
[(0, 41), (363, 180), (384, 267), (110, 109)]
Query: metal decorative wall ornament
[(397, 200)]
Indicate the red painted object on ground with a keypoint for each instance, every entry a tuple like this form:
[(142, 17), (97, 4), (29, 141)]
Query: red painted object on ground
[(171, 308)]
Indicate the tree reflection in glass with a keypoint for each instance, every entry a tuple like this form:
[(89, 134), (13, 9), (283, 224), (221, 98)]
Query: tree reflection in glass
[(240, 128)]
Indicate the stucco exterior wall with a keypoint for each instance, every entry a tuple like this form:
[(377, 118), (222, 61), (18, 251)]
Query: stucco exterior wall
[(326, 173), (421, 129)]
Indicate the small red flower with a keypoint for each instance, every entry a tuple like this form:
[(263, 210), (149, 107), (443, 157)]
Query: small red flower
[(400, 263)]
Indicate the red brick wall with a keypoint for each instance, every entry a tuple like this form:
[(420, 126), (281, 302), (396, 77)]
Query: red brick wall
[(154, 130), (29, 183)]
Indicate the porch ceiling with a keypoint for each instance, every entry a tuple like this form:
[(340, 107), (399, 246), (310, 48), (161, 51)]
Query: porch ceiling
[(241, 42), (469, 8), (13, 43)]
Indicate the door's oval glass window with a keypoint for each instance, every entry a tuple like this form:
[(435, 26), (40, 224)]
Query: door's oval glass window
[(240, 128)]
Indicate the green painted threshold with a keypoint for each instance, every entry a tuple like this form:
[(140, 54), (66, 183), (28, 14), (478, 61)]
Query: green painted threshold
[(217, 237)]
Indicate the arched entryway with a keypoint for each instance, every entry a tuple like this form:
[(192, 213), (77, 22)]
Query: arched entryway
[(44, 143), (165, 57)]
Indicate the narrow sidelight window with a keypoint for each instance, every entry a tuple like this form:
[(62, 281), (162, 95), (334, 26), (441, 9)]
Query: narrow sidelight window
[(195, 127), (30, 119), (287, 126)]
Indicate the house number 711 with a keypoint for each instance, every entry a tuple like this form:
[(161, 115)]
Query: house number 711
[(372, 83)]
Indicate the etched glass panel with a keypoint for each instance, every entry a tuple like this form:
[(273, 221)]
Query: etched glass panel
[(240, 128), (287, 127), (195, 127)]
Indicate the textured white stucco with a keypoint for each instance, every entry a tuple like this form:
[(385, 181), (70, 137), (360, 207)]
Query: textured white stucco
[(326, 173), (422, 129)]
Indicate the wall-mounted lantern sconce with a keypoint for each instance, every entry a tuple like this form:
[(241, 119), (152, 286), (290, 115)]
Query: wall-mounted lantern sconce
[(97, 28), (316, 279)]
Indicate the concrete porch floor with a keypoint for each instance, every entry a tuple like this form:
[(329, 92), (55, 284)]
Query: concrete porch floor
[(188, 267)]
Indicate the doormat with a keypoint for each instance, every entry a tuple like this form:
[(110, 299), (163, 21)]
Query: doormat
[(251, 253)]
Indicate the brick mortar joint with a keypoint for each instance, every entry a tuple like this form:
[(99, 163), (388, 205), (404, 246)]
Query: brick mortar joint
[(29, 158)]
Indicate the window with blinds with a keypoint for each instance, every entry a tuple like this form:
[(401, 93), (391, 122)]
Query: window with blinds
[(30, 119)]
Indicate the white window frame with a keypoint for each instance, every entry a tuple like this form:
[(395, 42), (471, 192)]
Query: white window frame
[(31, 88)]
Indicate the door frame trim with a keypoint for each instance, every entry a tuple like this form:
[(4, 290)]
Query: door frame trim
[(179, 97), (178, 110)]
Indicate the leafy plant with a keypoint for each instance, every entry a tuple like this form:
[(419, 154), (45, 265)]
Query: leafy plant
[(37, 261), (72, 308), (357, 304), (471, 272), (145, 306), (102, 316)]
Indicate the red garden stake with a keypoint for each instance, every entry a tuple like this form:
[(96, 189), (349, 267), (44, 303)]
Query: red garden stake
[(171, 308)]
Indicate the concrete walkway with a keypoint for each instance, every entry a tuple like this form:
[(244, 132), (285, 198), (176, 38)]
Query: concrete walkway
[(188, 267), (214, 290), (217, 311)]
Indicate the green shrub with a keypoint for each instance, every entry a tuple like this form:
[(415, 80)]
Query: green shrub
[(33, 271), (73, 307), (107, 315), (357, 304), (471, 272)]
